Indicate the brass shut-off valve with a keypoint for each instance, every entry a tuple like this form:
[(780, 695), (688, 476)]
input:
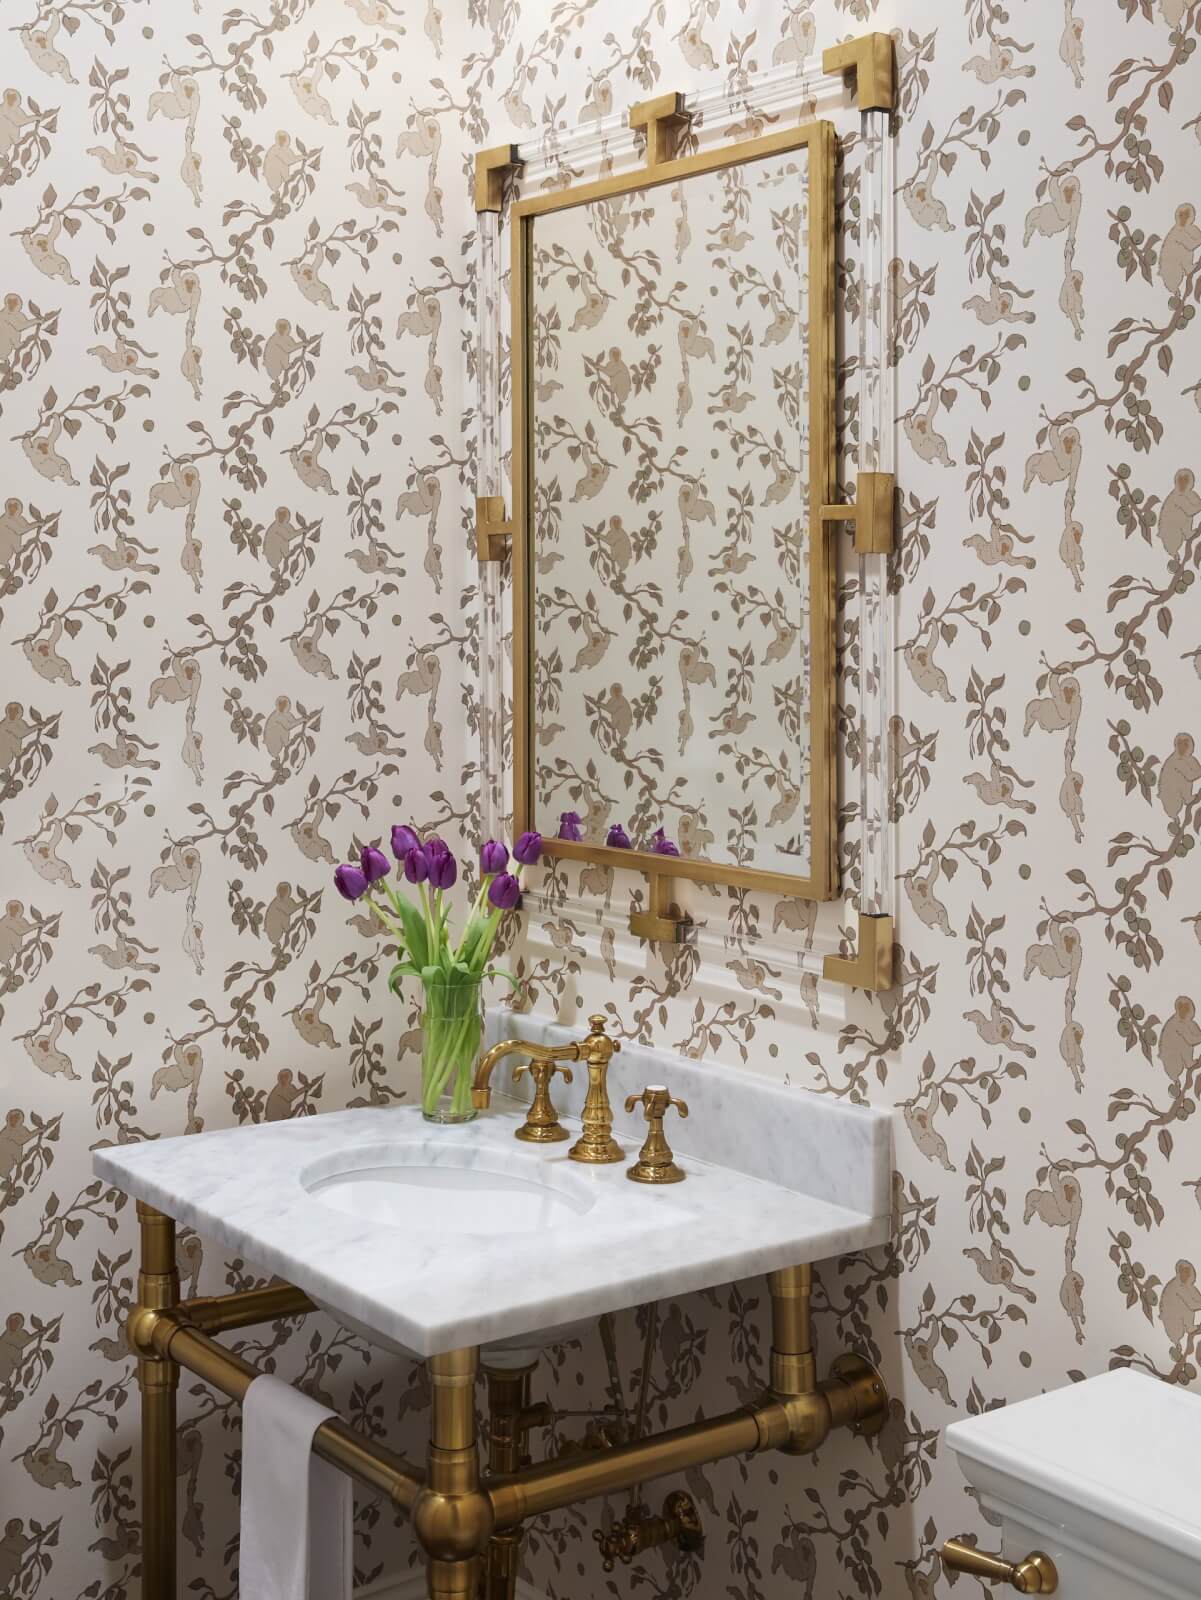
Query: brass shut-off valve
[(641, 1530), (655, 1163), (542, 1125)]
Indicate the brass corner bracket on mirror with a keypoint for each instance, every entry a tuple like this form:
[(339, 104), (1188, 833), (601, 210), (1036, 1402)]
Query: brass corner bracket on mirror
[(492, 170), (871, 60), (661, 921), (871, 511), (871, 966), (493, 529)]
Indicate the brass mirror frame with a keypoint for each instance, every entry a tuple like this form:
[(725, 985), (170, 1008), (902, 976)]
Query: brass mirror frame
[(660, 118)]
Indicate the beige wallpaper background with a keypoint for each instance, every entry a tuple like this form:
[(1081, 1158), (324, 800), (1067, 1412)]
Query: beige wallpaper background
[(238, 631)]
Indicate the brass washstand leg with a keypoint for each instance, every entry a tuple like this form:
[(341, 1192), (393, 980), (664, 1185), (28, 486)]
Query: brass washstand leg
[(508, 1406), (158, 1380), (454, 1472)]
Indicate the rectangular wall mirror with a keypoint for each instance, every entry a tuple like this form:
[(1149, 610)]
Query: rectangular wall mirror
[(673, 450)]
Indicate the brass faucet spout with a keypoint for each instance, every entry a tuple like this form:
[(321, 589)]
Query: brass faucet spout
[(481, 1089)]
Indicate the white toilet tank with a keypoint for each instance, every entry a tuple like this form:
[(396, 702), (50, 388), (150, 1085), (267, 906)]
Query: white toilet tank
[(1103, 1476)]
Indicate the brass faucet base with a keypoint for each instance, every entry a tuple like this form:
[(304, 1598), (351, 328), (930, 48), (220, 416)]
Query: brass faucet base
[(531, 1133), (640, 1172), (655, 1163)]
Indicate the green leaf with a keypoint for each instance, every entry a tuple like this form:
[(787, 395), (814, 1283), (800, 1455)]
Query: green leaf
[(414, 929)]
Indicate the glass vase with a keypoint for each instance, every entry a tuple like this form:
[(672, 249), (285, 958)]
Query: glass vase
[(452, 1027)]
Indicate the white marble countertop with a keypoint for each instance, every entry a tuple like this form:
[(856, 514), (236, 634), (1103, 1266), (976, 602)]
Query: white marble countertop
[(244, 1188)]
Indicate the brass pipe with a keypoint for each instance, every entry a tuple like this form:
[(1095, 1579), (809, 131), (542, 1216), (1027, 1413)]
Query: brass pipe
[(451, 1518), (508, 1411), (793, 1367), (334, 1441), (158, 1380), (246, 1308)]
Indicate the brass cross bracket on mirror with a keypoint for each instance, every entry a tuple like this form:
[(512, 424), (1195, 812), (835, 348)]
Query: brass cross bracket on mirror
[(492, 170), (870, 58), (871, 512), (493, 529), (661, 921), (871, 966), (662, 120)]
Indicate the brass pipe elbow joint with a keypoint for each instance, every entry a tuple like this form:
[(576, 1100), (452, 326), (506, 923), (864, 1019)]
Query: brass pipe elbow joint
[(453, 1527)]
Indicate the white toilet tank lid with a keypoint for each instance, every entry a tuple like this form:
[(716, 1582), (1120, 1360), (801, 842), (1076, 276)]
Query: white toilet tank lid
[(1124, 1448)]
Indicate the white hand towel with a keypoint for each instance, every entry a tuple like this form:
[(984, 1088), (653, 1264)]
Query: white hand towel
[(297, 1511)]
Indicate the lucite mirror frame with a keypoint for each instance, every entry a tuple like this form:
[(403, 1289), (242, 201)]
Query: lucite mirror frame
[(820, 882)]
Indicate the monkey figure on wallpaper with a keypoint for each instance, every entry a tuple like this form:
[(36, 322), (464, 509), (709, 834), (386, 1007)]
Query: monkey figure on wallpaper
[(1178, 1040), (42, 452), (1180, 245), (1178, 776), (14, 1136), (14, 730), (38, 38), (1179, 1304), (42, 855), (1178, 512), (44, 1261), (14, 321)]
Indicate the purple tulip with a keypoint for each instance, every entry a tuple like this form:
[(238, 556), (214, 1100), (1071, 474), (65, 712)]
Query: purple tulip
[(617, 838), (374, 863), (350, 882), (444, 870), (504, 892), (404, 839), (416, 865), (661, 845), (528, 848), (569, 827), (436, 848), (494, 857)]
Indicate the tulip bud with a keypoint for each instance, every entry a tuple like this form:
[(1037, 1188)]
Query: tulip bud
[(416, 865), (494, 857), (443, 870), (528, 848), (436, 847), (504, 891), (404, 839), (569, 827), (617, 838), (374, 863), (350, 882), (661, 845)]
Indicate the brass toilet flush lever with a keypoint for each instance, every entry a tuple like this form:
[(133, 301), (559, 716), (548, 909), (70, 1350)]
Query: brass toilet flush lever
[(542, 1125), (655, 1163), (1035, 1575)]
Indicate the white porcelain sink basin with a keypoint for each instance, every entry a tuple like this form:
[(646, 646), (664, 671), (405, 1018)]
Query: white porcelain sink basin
[(401, 1187)]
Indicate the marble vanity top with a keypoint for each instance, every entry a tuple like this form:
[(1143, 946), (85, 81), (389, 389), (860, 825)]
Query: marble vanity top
[(818, 1186)]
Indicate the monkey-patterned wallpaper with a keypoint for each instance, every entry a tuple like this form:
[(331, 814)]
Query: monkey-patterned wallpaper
[(238, 623)]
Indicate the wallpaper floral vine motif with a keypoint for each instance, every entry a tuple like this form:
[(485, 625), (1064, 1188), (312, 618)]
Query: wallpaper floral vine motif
[(643, 310), (238, 608)]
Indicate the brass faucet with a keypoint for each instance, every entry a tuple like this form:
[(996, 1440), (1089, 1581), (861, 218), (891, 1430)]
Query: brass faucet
[(481, 1092), (596, 1143)]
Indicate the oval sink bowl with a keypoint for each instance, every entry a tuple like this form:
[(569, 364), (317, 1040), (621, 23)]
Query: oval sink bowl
[(453, 1193)]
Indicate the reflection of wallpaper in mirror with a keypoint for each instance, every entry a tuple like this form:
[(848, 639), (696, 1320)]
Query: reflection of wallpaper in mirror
[(670, 515)]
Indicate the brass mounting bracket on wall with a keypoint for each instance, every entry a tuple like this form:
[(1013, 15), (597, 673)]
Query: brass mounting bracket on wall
[(662, 120), (492, 170), (870, 511), (873, 63), (493, 529), (662, 922), (871, 966)]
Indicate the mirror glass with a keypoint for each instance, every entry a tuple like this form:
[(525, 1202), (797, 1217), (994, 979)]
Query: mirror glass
[(669, 513)]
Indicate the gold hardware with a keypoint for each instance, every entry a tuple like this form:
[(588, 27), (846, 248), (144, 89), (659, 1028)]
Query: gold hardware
[(655, 1163), (662, 922), (492, 168), (818, 140), (870, 58), (871, 511), (493, 530), (481, 1093), (596, 1144), (640, 1530), (542, 1126), (510, 1417), (457, 1519), (662, 120), (1037, 1574), (871, 967)]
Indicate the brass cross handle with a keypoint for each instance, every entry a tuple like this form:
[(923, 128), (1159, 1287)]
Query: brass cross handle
[(542, 1125), (655, 1163), (1035, 1575)]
